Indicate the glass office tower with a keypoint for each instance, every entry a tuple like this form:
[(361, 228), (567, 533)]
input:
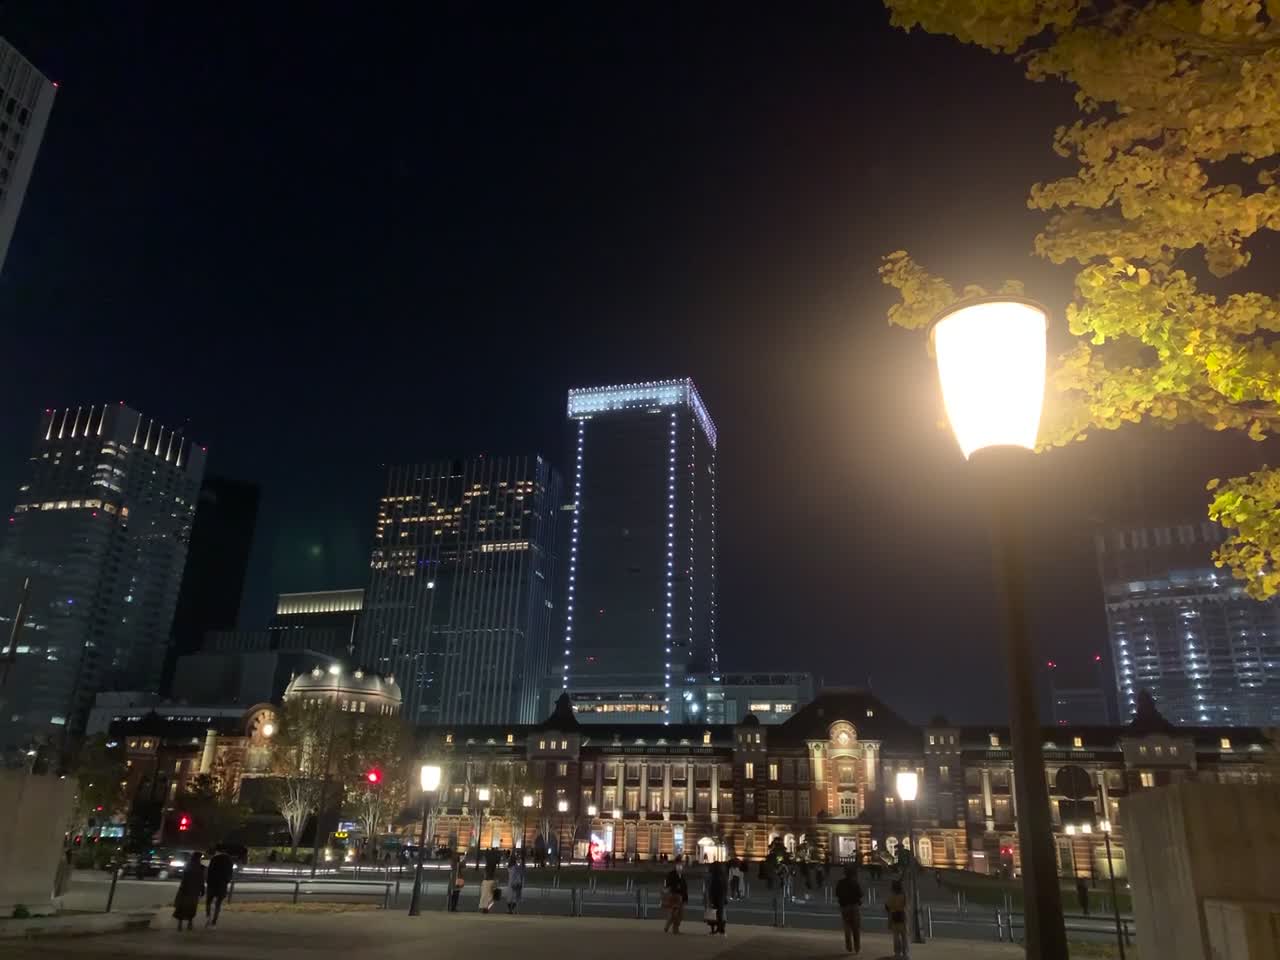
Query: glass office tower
[(641, 599)]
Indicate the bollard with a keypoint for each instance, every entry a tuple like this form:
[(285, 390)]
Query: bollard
[(928, 916), (644, 902), (639, 895), (111, 894), (397, 890), (999, 927)]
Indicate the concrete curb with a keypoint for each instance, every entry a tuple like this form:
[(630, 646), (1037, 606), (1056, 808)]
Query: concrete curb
[(78, 925)]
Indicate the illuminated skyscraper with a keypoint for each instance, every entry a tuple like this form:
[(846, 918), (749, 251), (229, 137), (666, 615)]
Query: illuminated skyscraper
[(641, 599), (26, 97), (461, 588), (100, 527), (1187, 632)]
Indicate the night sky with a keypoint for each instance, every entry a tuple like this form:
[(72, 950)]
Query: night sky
[(378, 232)]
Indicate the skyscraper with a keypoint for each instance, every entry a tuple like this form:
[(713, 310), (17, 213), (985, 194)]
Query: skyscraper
[(101, 528), (1186, 631), (461, 594), (26, 97), (641, 596)]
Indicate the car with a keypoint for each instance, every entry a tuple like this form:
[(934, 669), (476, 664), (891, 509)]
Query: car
[(159, 862)]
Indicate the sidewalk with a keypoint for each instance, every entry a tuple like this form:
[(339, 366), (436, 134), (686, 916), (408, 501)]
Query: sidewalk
[(388, 936)]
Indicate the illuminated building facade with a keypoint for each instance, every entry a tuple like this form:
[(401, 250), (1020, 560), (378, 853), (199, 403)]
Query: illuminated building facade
[(101, 527), (461, 595), (26, 98), (822, 780), (641, 598), (1185, 630)]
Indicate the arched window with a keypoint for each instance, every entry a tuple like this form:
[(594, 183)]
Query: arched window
[(924, 850), (848, 804)]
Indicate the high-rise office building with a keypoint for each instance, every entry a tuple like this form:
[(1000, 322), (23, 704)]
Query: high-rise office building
[(26, 97), (217, 563), (461, 594), (100, 529), (1185, 630), (641, 596)]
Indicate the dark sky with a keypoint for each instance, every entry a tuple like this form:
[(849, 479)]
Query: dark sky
[(387, 232)]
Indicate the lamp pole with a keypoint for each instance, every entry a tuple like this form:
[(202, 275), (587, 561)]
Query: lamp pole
[(991, 367), (563, 807), (482, 795), (908, 785), (1111, 874), (592, 810), (525, 802), (430, 779)]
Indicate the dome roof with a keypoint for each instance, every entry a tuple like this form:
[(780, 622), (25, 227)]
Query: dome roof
[(334, 680), (750, 720)]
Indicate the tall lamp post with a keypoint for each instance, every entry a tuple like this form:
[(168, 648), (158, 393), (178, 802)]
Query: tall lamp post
[(526, 802), (430, 778), (991, 366), (1105, 826), (482, 795), (592, 810), (563, 807), (907, 784)]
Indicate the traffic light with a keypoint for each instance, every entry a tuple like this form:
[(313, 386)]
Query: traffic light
[(374, 777), (184, 823)]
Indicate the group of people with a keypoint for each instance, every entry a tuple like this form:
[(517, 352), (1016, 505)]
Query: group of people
[(675, 897), (849, 897), (490, 892), (198, 881)]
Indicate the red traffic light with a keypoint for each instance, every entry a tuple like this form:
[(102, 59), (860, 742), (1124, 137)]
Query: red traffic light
[(184, 822), (374, 776)]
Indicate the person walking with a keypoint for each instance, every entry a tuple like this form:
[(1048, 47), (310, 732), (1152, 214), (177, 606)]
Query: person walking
[(675, 894), (190, 889), (849, 896), (717, 891), (895, 905), (490, 882), (217, 880), (735, 880), (1082, 894), (515, 884)]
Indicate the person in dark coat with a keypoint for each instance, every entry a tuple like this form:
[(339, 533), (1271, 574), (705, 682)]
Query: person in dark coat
[(717, 890), (187, 900), (217, 880), (675, 894), (849, 896)]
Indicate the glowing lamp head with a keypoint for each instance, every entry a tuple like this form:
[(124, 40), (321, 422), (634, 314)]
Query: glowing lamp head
[(527, 801), (591, 810), (563, 806), (268, 729), (907, 784), (991, 366), (483, 794), (617, 814), (430, 777)]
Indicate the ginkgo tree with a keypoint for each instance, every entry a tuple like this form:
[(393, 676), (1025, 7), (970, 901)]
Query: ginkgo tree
[(1177, 155)]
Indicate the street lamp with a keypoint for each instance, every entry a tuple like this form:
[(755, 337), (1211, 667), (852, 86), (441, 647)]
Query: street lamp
[(429, 776), (482, 794), (526, 802), (563, 807), (991, 367), (907, 784), (1105, 826), (592, 810)]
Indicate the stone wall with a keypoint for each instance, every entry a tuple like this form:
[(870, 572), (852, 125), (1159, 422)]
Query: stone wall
[(34, 811)]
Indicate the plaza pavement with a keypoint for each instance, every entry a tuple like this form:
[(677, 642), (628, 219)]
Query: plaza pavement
[(380, 935)]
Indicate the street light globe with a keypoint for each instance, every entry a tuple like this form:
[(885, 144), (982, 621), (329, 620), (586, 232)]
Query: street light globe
[(430, 775), (563, 806), (991, 366), (483, 794), (617, 814), (907, 784), (268, 728), (527, 801), (591, 810)]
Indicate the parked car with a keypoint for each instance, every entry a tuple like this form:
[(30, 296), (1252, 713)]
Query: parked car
[(160, 862)]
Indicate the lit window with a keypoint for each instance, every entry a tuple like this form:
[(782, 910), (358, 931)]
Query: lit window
[(542, 744), (749, 771), (1142, 750), (932, 740), (1077, 742), (511, 738), (995, 739), (448, 738), (1147, 778), (871, 713), (1226, 743), (706, 737), (564, 744), (773, 771)]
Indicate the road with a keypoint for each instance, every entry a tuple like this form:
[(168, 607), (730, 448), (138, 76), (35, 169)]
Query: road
[(88, 891), (393, 936)]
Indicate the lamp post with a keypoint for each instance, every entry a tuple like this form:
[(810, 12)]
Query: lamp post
[(563, 807), (592, 810), (1105, 825), (482, 795), (430, 778), (526, 802), (991, 367), (907, 784)]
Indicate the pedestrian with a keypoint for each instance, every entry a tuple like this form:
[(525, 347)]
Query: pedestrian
[(217, 879), (190, 889), (1082, 894), (675, 894), (849, 896), (716, 892), (490, 882), (895, 905), (515, 883), (459, 881), (735, 880)]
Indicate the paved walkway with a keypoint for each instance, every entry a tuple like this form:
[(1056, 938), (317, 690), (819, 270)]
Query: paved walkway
[(388, 936)]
